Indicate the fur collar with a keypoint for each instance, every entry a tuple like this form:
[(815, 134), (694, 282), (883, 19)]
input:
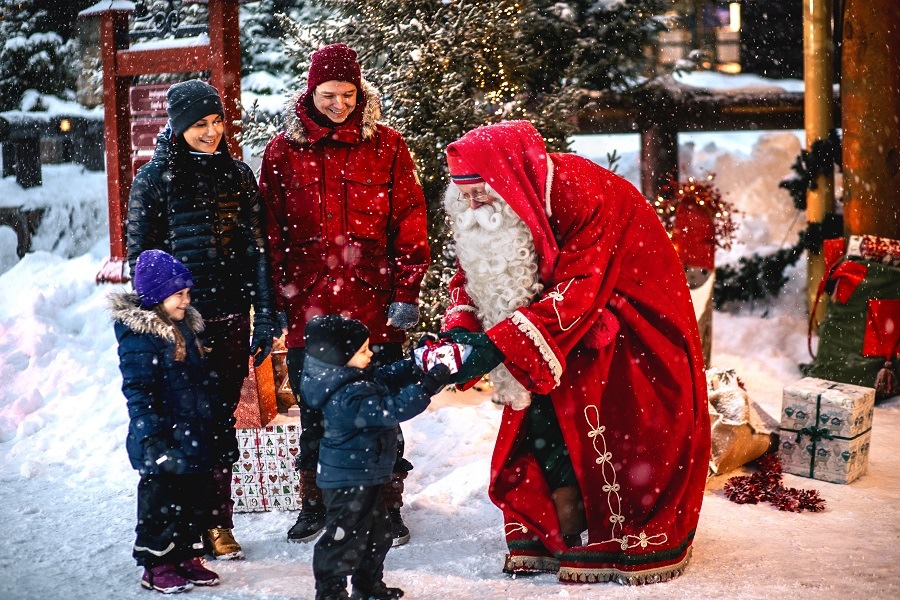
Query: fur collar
[(125, 307), (296, 132)]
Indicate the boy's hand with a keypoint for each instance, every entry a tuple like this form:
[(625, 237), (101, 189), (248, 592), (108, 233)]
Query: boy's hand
[(436, 378)]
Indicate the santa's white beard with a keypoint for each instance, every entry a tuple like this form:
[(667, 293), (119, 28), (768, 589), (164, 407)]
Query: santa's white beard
[(496, 250)]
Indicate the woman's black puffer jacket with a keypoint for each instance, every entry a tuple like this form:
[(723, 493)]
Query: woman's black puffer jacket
[(205, 210)]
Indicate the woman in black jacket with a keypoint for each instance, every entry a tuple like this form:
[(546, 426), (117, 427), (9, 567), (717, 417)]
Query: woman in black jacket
[(199, 204)]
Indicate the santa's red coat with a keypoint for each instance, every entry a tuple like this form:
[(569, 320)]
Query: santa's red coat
[(614, 342)]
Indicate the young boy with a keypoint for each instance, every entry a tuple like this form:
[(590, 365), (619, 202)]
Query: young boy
[(362, 412)]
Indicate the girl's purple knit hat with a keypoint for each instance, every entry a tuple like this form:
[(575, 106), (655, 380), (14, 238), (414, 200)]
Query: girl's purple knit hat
[(158, 275)]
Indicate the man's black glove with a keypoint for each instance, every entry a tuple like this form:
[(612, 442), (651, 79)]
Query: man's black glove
[(282, 320), (436, 378), (484, 358), (264, 330), (160, 455)]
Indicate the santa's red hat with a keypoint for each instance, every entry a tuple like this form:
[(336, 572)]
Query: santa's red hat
[(512, 158), (460, 171), (694, 236), (336, 62)]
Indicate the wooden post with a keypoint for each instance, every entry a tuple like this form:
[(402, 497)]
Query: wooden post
[(871, 97), (659, 157), (818, 67), (117, 137), (225, 65)]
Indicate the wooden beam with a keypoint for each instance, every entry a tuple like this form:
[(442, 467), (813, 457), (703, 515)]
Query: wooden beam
[(162, 60), (708, 113)]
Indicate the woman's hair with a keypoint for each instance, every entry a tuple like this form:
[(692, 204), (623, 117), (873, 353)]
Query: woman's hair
[(180, 350)]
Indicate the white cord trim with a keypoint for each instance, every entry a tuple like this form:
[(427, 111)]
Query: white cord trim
[(515, 527), (548, 185), (534, 334), (558, 295), (611, 487)]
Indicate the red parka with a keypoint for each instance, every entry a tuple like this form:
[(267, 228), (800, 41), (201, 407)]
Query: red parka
[(345, 218)]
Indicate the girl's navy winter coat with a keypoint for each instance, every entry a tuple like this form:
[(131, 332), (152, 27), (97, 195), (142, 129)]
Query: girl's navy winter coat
[(168, 400), (362, 411)]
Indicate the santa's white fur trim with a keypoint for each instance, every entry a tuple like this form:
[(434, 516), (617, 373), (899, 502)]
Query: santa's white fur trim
[(534, 334), (547, 186)]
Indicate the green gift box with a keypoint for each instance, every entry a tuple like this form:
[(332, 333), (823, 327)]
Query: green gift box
[(825, 429)]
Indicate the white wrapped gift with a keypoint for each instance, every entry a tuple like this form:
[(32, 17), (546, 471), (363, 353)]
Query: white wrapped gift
[(825, 429), (442, 352)]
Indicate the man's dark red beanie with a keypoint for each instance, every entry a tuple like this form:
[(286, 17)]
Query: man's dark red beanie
[(336, 62)]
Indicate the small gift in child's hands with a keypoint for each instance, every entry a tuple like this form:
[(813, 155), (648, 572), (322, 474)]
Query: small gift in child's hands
[(443, 352)]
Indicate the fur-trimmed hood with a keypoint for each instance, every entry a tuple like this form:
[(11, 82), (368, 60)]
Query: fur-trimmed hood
[(295, 131), (125, 307)]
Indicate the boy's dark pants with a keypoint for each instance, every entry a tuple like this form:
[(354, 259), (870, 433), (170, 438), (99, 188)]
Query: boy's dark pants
[(357, 537), (312, 426), (173, 512)]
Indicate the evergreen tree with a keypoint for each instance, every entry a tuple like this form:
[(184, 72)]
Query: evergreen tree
[(33, 55), (262, 48), (601, 44)]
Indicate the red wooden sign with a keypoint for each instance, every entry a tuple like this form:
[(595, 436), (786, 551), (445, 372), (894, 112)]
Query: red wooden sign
[(130, 143)]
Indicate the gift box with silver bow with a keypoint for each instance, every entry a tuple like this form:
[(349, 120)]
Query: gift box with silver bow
[(825, 429)]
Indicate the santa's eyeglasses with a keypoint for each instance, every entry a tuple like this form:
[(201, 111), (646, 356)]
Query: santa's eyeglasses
[(482, 197)]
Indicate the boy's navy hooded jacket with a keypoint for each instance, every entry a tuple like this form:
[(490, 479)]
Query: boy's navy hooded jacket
[(168, 400), (362, 411)]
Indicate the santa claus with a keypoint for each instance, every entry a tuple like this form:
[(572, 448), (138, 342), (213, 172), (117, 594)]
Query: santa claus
[(575, 302)]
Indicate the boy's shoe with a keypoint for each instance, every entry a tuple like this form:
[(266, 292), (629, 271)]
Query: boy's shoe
[(399, 531), (194, 571), (221, 544), (165, 579), (334, 588), (310, 523), (379, 591)]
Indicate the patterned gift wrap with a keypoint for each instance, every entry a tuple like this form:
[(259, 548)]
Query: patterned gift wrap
[(825, 429), (876, 249), (264, 477)]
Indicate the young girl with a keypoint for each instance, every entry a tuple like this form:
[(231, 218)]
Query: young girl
[(166, 382), (362, 410)]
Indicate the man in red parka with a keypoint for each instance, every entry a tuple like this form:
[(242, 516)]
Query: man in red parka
[(346, 224), (574, 300)]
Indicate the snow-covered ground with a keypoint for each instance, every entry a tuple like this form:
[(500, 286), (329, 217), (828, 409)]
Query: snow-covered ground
[(67, 491)]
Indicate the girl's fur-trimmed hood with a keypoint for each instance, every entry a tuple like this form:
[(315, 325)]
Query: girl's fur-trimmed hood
[(296, 132), (125, 307)]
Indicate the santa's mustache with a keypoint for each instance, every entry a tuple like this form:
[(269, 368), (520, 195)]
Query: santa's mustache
[(487, 216)]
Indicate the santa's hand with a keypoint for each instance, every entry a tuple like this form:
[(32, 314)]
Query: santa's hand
[(484, 358)]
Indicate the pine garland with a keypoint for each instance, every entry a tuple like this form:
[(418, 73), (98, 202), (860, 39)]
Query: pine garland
[(759, 277), (820, 160), (765, 486)]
